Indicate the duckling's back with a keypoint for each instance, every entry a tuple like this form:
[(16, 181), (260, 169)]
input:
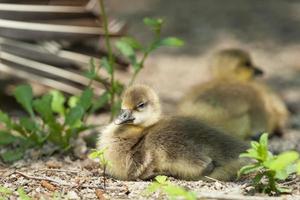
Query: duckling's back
[(190, 149), (186, 132), (235, 107)]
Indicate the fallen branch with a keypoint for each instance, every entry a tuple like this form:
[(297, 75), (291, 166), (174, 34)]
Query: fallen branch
[(61, 183), (59, 170), (56, 182), (212, 179), (290, 182)]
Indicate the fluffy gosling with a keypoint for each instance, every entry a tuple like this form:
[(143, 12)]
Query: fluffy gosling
[(141, 144), (233, 100)]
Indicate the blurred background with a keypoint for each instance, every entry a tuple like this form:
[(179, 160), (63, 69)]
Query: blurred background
[(269, 30)]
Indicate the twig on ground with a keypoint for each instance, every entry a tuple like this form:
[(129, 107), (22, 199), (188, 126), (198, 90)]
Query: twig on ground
[(60, 182), (290, 182), (213, 179), (57, 182), (59, 170)]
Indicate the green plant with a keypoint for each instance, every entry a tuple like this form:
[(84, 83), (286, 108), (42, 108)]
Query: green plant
[(268, 169), (5, 192), (49, 119), (128, 47), (162, 184), (22, 194), (99, 154), (56, 119)]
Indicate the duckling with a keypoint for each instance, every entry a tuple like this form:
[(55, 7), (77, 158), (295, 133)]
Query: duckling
[(141, 143), (233, 100)]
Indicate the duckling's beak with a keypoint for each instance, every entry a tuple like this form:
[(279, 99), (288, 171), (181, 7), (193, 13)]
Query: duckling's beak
[(125, 116), (257, 71)]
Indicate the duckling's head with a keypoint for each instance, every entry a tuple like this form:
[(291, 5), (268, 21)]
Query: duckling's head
[(234, 64), (140, 107)]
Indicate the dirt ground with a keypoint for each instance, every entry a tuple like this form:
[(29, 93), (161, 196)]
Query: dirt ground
[(268, 29)]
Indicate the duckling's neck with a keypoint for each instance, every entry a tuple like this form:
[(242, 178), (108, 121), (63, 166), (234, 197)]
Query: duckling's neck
[(124, 131), (129, 131)]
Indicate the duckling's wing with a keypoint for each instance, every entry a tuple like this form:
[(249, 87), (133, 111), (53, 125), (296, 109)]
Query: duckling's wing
[(188, 149), (231, 106), (217, 101)]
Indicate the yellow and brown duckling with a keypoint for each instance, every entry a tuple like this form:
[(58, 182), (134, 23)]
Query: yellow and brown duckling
[(233, 100), (141, 144)]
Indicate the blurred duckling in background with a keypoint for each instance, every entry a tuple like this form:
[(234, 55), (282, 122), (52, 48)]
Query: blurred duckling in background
[(233, 100), (141, 144)]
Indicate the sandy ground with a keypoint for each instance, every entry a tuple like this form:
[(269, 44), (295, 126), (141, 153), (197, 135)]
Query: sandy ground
[(64, 177), (268, 29)]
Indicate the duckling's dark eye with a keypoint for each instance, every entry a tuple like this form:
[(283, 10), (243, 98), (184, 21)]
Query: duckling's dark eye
[(248, 64), (140, 106)]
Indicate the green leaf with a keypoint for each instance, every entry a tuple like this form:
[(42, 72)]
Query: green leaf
[(281, 174), (101, 101), (43, 107), (132, 42), (7, 138), (74, 115), (263, 141), (118, 87), (107, 66), (23, 195), (73, 101), (12, 155), (97, 153), (254, 145), (298, 167), (86, 98), (174, 192), (28, 124), (283, 190), (292, 168), (100, 155), (58, 100), (153, 187), (94, 155), (251, 153), (153, 23), (257, 178), (91, 73), (5, 191), (263, 147), (126, 50), (171, 42), (56, 134), (56, 196), (4, 118), (249, 169), (283, 160), (161, 179), (24, 96)]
